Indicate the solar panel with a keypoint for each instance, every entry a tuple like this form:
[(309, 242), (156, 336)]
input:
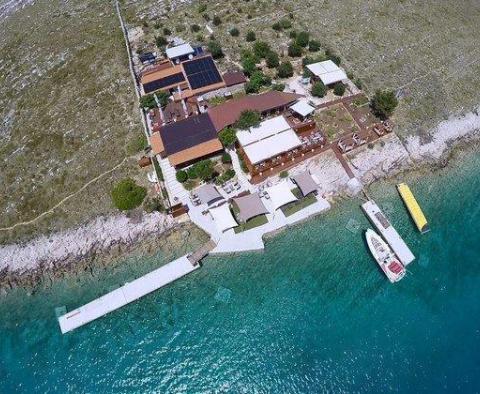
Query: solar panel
[(202, 72), (163, 82)]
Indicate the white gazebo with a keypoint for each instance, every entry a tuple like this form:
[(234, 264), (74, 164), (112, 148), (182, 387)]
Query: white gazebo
[(223, 218), (280, 195), (302, 108), (328, 72)]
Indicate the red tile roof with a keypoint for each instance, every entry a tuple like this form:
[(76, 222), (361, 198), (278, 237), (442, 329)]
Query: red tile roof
[(232, 78), (227, 114)]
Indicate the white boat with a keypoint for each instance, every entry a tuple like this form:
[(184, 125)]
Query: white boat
[(386, 259)]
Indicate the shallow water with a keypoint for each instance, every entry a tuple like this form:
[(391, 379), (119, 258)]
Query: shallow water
[(311, 314)]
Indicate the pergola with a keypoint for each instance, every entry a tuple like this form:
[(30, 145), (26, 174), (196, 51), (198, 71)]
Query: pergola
[(305, 182), (280, 195), (208, 194), (223, 218), (302, 108), (250, 206)]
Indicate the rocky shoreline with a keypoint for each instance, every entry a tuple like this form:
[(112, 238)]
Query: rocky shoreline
[(107, 239)]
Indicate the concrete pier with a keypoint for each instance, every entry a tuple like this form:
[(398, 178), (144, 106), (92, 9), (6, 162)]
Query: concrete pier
[(128, 293)]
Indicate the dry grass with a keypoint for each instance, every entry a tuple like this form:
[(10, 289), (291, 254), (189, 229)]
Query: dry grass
[(69, 109)]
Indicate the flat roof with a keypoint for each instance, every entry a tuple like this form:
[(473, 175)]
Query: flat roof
[(302, 108), (227, 114), (265, 129), (272, 146), (233, 78), (327, 71), (187, 133), (179, 50)]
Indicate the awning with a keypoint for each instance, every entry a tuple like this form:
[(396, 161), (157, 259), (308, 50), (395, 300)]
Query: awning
[(280, 195), (272, 146), (305, 182), (223, 217), (302, 108), (208, 194), (250, 206), (328, 72)]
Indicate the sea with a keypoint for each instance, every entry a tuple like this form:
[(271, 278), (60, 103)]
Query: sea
[(310, 314)]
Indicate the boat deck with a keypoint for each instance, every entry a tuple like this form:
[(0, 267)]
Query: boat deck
[(388, 232), (128, 293)]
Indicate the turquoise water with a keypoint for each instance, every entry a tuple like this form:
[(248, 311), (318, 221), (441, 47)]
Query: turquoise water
[(311, 314)]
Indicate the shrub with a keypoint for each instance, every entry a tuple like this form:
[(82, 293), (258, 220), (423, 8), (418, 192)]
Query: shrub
[(294, 50), (162, 97), (202, 8), (192, 172), (229, 174), (286, 23), (180, 28), (215, 49), (283, 174), (272, 59), (339, 89), (314, 46), (182, 176), (302, 39), (148, 101), (234, 32), (279, 87), (127, 195), (358, 83), (336, 59), (206, 17), (257, 80), (166, 31), (200, 38), (250, 36), (204, 169), (293, 34), (383, 103), (261, 49), (285, 70), (243, 165), (195, 28), (249, 62), (227, 136), (319, 89), (216, 20), (226, 158), (153, 204), (137, 144), (277, 26), (247, 119), (161, 41)]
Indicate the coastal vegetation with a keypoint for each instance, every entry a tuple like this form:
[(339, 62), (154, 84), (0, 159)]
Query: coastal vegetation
[(127, 195)]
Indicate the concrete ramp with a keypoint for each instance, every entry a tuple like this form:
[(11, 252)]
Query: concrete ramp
[(128, 293)]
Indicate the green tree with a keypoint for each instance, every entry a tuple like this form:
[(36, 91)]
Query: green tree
[(294, 50), (227, 136), (148, 101), (319, 89), (277, 26), (251, 36), (257, 80), (314, 46), (247, 119), (215, 49), (195, 28), (261, 49), (279, 87), (181, 176), (302, 39), (202, 8), (286, 23), (272, 59), (234, 32), (162, 97), (161, 41), (204, 169), (226, 158), (127, 195), (383, 103), (339, 89), (249, 63), (285, 70), (192, 172), (167, 31), (216, 20)]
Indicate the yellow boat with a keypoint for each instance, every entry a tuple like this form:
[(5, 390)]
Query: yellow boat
[(413, 207)]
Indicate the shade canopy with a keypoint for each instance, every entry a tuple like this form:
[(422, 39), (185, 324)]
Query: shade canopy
[(250, 206), (327, 71), (280, 194), (223, 217), (272, 146), (208, 194), (302, 108), (305, 182), (265, 129)]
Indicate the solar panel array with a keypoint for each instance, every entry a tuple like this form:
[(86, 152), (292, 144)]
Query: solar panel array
[(164, 82), (202, 72)]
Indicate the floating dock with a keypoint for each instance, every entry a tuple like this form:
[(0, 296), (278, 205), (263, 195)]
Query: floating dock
[(413, 207), (128, 293), (388, 232)]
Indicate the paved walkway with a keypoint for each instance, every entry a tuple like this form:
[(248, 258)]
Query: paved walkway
[(176, 191)]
